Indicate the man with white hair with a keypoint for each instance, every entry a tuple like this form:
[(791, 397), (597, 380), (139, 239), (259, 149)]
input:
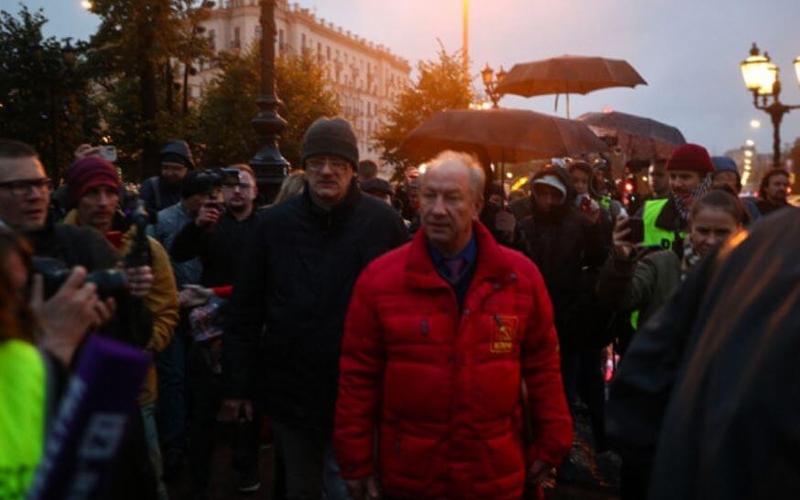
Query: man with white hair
[(441, 337)]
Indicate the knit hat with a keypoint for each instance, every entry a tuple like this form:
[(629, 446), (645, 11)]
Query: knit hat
[(196, 183), (331, 136), (724, 164), (552, 181), (177, 151), (691, 157), (87, 173)]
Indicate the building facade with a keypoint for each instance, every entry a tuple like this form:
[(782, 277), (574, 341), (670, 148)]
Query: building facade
[(365, 76)]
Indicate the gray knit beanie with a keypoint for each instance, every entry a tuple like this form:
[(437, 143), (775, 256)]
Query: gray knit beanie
[(332, 137)]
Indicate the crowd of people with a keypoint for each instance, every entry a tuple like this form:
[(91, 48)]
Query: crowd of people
[(437, 339)]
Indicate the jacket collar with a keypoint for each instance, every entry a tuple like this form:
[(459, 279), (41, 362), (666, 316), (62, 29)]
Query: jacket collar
[(492, 264), (337, 213)]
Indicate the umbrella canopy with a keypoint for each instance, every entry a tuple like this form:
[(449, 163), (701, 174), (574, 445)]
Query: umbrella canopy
[(637, 136), (503, 135), (568, 75)]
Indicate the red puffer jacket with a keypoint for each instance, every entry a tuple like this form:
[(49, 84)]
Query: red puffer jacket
[(444, 390)]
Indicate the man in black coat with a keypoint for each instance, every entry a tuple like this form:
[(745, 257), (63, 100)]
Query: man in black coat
[(711, 381), (295, 281), (565, 243)]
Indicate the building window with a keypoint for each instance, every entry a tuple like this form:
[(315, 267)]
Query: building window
[(257, 32), (303, 41), (328, 52), (237, 38), (212, 40)]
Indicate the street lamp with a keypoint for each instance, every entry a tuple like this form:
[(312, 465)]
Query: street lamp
[(762, 78), (490, 83), (268, 163)]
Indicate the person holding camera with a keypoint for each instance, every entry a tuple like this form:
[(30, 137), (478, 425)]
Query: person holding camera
[(197, 188), (218, 237), (38, 338), (643, 279), (93, 196), (24, 199)]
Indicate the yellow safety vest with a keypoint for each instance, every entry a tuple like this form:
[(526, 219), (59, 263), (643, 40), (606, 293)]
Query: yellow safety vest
[(23, 393), (654, 235)]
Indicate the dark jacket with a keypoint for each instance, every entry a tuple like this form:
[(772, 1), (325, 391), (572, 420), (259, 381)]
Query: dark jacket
[(562, 244), (158, 195), (712, 378), (218, 247), (296, 277), (639, 284)]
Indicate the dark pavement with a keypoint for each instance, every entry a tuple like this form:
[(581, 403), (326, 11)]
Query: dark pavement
[(594, 477)]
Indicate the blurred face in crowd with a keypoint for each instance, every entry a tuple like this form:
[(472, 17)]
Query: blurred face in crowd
[(547, 197), (710, 227), (329, 178), (173, 173), (413, 197), (448, 206), (657, 179), (24, 193), (726, 179), (411, 173), (239, 196), (581, 181), (776, 188), (683, 182), (97, 207)]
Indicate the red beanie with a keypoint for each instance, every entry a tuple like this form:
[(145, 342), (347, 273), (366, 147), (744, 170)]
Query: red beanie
[(89, 172), (690, 157)]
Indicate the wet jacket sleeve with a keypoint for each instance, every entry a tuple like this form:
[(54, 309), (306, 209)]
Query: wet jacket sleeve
[(361, 369), (162, 301), (541, 369)]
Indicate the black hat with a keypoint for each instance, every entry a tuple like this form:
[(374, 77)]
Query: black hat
[(331, 136), (376, 185), (197, 182), (177, 151)]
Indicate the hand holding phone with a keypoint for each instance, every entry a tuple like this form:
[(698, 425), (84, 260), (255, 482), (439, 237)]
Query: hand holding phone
[(628, 232)]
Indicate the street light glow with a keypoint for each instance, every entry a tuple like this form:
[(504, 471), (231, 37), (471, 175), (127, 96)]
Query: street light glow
[(87, 4), (755, 123), (749, 143)]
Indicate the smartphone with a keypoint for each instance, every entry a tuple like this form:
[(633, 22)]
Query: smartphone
[(636, 226)]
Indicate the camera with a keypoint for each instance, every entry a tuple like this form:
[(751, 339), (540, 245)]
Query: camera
[(109, 282)]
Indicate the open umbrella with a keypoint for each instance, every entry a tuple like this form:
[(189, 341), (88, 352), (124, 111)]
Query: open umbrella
[(568, 75), (502, 135), (637, 136)]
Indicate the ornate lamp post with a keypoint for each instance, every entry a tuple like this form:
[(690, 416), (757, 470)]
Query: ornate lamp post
[(490, 83), (761, 77), (268, 163)]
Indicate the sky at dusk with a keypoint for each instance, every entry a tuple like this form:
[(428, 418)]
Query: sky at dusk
[(687, 50)]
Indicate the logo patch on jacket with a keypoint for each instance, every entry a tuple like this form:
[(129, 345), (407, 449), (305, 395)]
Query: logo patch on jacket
[(504, 332)]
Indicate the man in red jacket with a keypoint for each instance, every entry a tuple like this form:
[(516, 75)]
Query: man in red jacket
[(440, 335)]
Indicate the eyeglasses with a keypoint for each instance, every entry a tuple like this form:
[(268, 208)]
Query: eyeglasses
[(21, 188), (317, 164)]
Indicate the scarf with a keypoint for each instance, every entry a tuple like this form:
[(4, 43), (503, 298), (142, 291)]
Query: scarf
[(684, 203)]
